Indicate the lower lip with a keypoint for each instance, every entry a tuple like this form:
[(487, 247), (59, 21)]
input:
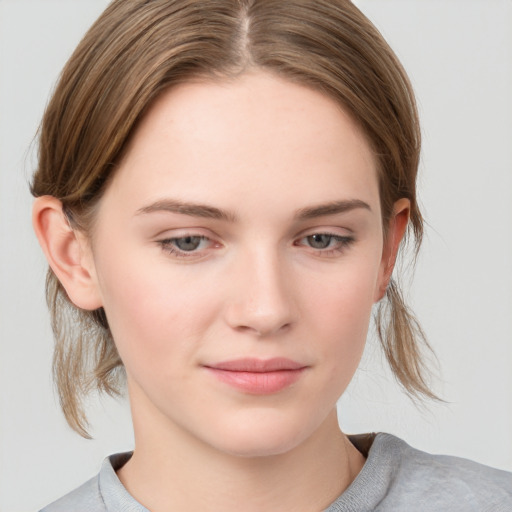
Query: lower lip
[(258, 383)]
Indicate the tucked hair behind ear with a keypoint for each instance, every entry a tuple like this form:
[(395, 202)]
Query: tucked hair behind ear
[(139, 48)]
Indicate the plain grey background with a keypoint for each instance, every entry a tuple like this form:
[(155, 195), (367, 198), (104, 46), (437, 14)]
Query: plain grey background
[(459, 56)]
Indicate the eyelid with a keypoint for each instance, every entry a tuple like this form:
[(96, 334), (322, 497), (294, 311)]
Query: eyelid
[(328, 229), (183, 231)]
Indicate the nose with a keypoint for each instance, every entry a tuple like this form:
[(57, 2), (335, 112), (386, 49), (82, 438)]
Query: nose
[(262, 301)]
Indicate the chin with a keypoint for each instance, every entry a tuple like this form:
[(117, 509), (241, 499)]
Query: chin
[(262, 437)]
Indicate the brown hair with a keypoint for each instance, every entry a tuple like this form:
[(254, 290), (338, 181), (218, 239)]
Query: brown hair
[(139, 48)]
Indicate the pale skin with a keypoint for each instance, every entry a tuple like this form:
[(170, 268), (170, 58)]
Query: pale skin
[(243, 222)]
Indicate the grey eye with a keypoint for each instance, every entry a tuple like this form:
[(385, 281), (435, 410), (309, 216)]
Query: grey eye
[(319, 240), (188, 243)]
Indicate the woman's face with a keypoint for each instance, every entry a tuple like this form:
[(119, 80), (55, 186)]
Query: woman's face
[(237, 252)]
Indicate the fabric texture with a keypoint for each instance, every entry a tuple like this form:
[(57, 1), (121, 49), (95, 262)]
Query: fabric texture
[(395, 478)]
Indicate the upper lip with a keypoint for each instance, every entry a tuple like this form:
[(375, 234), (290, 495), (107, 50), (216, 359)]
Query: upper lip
[(257, 365)]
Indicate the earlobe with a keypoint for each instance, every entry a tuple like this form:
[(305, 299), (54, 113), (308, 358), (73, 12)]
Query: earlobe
[(67, 252), (396, 231)]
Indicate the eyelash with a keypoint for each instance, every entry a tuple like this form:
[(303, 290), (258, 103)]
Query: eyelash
[(342, 244), (169, 247)]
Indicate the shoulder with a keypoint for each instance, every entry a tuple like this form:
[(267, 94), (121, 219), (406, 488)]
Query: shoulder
[(102, 493), (444, 480), (86, 498)]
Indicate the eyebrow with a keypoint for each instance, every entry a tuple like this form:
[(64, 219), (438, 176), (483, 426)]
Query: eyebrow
[(211, 212), (331, 208), (192, 209)]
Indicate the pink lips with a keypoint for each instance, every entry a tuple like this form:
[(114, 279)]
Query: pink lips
[(257, 376)]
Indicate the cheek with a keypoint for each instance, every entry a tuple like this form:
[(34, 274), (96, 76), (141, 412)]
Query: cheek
[(342, 300), (340, 309), (155, 312)]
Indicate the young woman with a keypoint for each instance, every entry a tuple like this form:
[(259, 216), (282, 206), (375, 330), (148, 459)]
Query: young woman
[(223, 188)]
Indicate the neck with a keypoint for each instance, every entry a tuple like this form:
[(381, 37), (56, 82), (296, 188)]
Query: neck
[(171, 470)]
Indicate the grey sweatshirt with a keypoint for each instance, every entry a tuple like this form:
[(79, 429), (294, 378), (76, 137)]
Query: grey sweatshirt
[(395, 478)]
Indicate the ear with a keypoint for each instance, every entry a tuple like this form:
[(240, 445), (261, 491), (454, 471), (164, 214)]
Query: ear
[(67, 251), (396, 231)]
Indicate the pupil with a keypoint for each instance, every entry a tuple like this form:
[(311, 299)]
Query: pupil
[(319, 241), (188, 243)]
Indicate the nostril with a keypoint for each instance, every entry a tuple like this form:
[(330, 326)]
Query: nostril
[(261, 330)]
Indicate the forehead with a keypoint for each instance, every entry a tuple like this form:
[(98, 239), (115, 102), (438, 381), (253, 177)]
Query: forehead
[(259, 135)]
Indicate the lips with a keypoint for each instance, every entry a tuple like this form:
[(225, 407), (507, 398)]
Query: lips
[(258, 376)]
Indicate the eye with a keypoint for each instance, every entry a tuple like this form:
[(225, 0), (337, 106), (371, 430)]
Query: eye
[(188, 243), (320, 240), (186, 246), (326, 244)]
